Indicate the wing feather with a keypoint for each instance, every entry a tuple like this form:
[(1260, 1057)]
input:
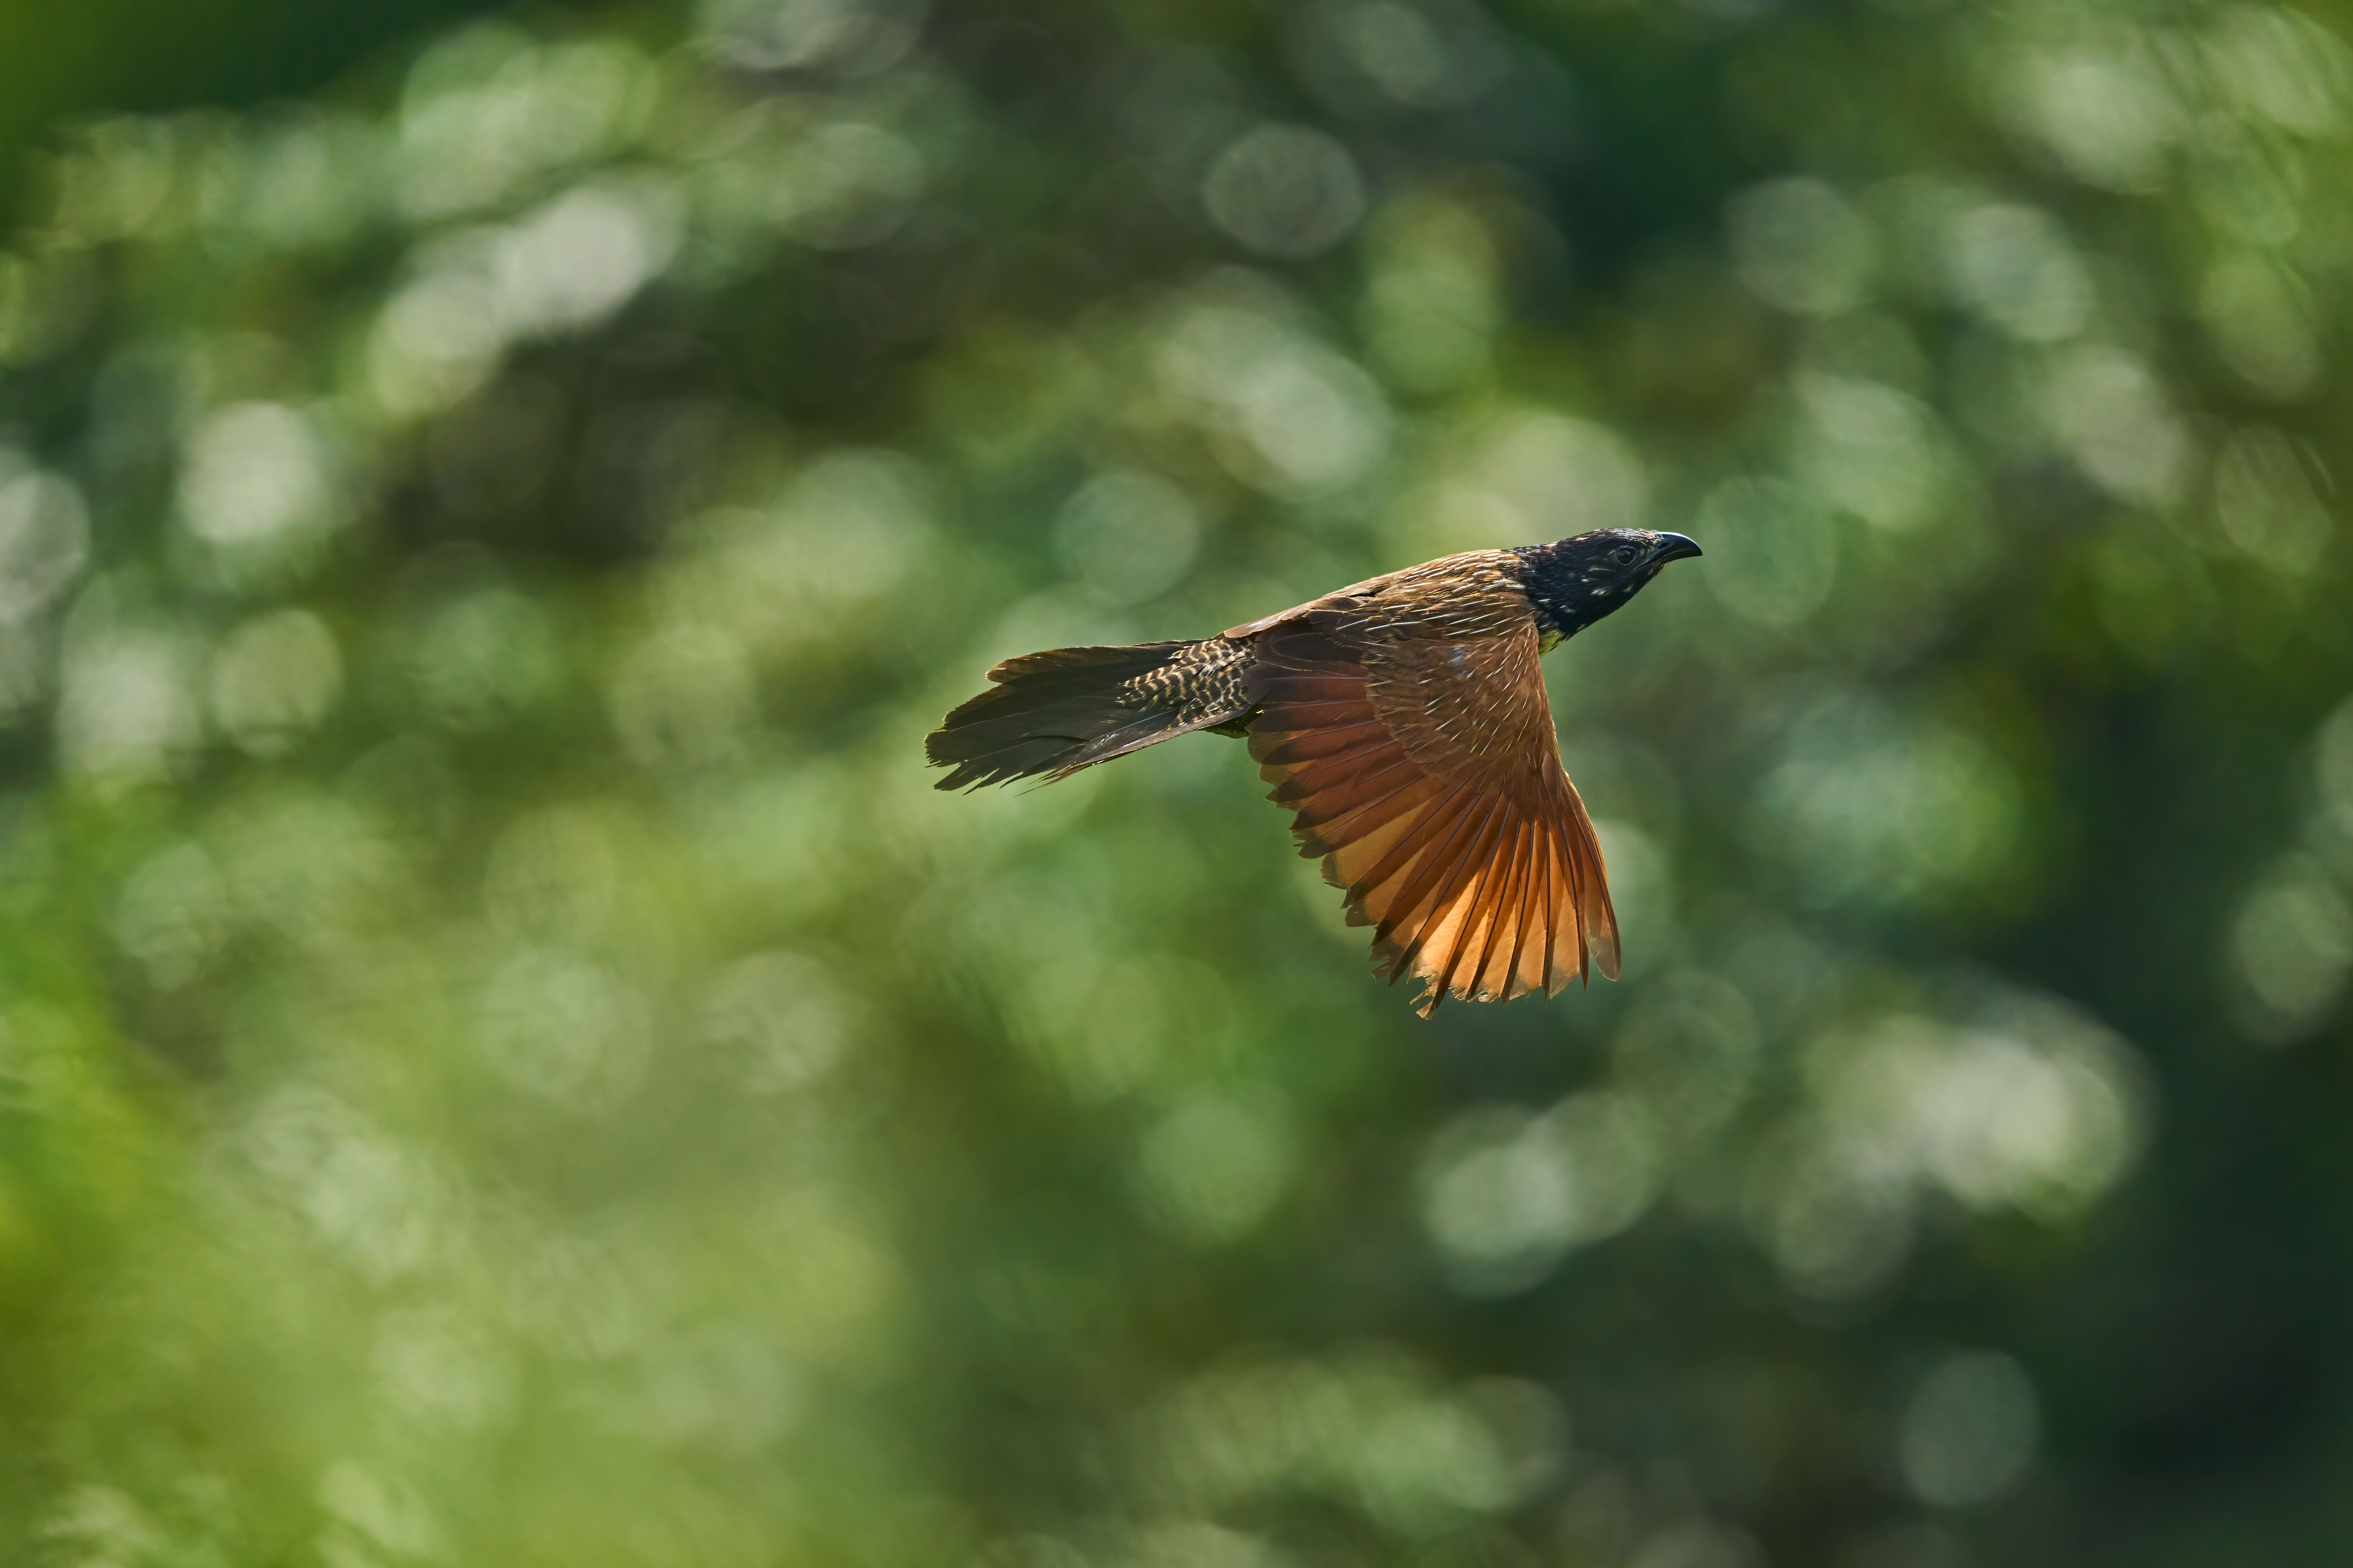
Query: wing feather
[(1501, 913), (1398, 841), (1424, 774), (1531, 944), (1452, 899), (1291, 748), (1422, 865), (1343, 814), (1472, 908), (1597, 919)]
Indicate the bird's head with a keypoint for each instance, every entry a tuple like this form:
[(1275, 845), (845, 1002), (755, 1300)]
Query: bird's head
[(1578, 580)]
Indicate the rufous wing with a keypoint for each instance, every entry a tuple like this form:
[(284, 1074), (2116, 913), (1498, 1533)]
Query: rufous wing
[(1426, 775)]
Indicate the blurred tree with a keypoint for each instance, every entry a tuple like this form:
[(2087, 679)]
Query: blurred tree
[(62, 62), (507, 1059)]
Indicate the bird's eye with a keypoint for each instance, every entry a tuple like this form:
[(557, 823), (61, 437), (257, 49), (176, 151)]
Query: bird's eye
[(1623, 555)]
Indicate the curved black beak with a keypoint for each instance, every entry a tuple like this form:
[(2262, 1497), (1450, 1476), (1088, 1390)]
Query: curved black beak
[(1673, 547)]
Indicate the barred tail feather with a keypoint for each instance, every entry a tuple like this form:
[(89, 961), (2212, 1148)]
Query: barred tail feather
[(1058, 711)]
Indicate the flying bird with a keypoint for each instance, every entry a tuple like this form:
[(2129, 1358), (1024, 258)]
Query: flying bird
[(1404, 720)]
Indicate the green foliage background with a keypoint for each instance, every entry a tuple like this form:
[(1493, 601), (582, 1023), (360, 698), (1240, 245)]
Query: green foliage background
[(506, 1059)]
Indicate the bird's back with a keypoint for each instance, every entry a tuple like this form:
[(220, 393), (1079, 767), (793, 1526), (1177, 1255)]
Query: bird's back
[(1453, 598), (1405, 722)]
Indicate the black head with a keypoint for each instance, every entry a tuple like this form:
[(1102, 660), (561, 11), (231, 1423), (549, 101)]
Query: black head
[(1577, 582)]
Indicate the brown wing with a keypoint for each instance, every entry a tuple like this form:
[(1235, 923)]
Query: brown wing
[(1427, 777), (1464, 576)]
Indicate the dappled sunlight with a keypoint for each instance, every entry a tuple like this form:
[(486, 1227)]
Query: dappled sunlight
[(2291, 944), (127, 711), (1967, 1430), (1508, 1195), (1797, 244), (1879, 808), (1284, 191), (2017, 1105), (1431, 309), (505, 1057), (44, 537), (1772, 554), (1366, 1426), (1296, 417), (274, 677)]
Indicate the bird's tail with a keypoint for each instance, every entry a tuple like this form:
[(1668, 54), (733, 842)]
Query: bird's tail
[(1069, 707)]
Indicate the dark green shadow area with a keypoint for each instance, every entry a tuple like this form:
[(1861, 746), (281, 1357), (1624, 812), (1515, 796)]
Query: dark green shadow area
[(67, 61)]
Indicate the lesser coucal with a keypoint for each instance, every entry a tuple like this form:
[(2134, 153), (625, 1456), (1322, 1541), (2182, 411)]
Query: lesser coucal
[(1405, 719)]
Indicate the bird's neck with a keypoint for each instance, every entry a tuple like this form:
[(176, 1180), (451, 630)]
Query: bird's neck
[(1562, 601)]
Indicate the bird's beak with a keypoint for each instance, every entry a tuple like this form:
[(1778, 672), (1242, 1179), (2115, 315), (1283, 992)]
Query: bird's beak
[(1673, 547)]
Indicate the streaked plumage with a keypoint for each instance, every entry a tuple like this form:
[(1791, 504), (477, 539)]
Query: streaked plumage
[(1404, 720)]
